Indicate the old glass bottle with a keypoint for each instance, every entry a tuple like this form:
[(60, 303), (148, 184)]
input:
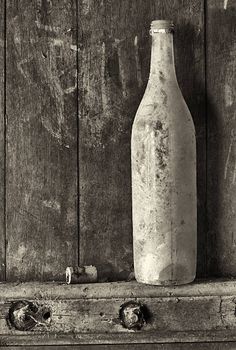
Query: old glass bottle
[(163, 152)]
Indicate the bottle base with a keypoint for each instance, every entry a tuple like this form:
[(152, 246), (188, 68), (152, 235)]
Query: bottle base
[(167, 282)]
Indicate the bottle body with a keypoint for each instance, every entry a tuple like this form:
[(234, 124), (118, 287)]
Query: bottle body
[(164, 200)]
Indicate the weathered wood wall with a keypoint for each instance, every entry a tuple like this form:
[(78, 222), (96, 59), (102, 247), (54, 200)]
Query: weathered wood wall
[(72, 74), (2, 142), (41, 138), (221, 136)]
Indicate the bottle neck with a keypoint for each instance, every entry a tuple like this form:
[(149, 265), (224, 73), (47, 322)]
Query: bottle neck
[(162, 57)]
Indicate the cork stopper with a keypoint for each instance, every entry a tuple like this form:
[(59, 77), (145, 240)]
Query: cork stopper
[(81, 274), (162, 26)]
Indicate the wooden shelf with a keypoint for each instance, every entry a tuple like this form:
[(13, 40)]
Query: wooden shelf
[(220, 287), (89, 313)]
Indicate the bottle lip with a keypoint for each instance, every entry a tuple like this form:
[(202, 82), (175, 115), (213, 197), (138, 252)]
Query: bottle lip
[(162, 26)]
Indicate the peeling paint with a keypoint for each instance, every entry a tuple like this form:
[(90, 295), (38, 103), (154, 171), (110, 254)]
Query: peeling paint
[(137, 60), (228, 95), (54, 134), (118, 41), (54, 84), (21, 69), (74, 47), (228, 164), (21, 252), (229, 89), (47, 28), (228, 158), (122, 70), (105, 103), (86, 6), (52, 204), (70, 89), (58, 42), (234, 175)]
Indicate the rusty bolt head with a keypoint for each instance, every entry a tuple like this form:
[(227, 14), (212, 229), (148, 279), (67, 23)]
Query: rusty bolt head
[(20, 314), (132, 315), (24, 315)]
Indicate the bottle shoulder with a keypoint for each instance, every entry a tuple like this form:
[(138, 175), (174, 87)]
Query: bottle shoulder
[(154, 114), (163, 103)]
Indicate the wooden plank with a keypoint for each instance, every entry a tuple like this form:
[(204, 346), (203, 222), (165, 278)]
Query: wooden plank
[(41, 139), (74, 339), (114, 290), (95, 320), (187, 346), (114, 66), (221, 92), (2, 143), (168, 315)]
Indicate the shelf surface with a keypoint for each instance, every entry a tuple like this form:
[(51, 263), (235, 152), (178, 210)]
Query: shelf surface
[(131, 289), (90, 313)]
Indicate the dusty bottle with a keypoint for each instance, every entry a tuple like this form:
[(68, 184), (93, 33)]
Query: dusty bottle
[(163, 152)]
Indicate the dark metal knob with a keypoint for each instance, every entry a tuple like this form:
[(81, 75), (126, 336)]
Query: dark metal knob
[(132, 315)]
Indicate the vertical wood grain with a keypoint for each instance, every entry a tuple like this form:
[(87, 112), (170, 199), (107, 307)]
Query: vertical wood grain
[(41, 102), (221, 105), (114, 56), (2, 141)]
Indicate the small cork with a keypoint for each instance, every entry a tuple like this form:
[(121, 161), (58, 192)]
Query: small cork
[(81, 274)]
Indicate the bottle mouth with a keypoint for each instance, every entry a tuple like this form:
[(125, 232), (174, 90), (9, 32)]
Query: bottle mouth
[(161, 26)]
